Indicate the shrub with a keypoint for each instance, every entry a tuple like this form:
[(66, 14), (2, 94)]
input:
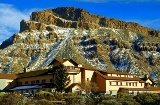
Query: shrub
[(125, 99), (44, 95), (89, 101), (43, 102), (106, 97), (96, 100), (58, 95), (73, 99), (13, 99), (110, 102), (1, 95), (147, 98)]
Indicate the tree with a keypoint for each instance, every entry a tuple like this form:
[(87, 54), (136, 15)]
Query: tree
[(61, 79), (125, 99), (89, 87), (147, 98)]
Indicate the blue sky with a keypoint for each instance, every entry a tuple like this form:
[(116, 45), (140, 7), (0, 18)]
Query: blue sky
[(144, 12)]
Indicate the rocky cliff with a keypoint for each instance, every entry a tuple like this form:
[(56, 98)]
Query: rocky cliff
[(70, 17), (68, 32)]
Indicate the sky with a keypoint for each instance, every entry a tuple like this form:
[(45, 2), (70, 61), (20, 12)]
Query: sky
[(144, 12)]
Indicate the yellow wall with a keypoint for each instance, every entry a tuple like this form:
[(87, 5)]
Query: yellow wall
[(75, 78), (67, 63), (88, 74), (114, 87), (148, 81)]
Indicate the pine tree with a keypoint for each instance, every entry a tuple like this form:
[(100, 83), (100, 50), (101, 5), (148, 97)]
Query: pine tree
[(61, 79)]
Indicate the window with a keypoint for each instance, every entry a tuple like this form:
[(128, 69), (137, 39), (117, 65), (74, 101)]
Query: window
[(32, 82), (110, 83), (51, 80), (43, 81), (113, 83), (37, 81), (19, 83), (26, 82)]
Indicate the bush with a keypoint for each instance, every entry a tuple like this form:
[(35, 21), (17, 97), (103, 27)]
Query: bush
[(96, 100), (89, 101), (58, 95), (147, 98), (1, 95), (106, 97), (43, 102), (44, 95), (13, 99), (73, 99), (110, 102), (125, 99)]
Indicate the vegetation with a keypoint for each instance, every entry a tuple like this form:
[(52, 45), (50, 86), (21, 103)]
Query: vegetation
[(147, 99), (48, 98), (61, 79), (89, 87)]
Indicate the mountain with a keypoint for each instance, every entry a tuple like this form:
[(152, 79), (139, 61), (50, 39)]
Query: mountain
[(97, 41)]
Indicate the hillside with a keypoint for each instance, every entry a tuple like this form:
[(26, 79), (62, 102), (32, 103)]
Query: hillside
[(68, 32)]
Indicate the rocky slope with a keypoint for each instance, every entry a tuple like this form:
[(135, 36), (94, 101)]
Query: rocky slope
[(68, 32)]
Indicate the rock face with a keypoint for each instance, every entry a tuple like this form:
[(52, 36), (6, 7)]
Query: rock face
[(68, 32), (70, 17)]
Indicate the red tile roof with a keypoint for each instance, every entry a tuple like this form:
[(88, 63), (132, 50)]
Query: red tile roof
[(8, 76), (154, 88), (88, 67), (118, 78)]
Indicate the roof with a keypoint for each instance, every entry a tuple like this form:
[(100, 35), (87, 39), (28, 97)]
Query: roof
[(8, 76), (88, 67), (118, 78), (73, 85), (154, 88), (145, 79), (33, 73), (27, 87)]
